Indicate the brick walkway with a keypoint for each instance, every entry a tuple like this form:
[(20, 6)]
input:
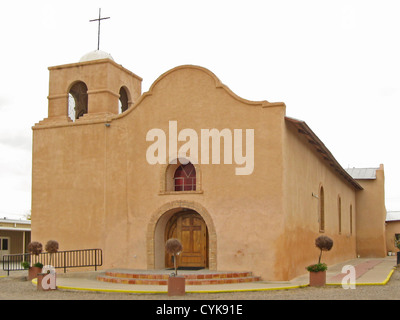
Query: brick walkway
[(360, 269)]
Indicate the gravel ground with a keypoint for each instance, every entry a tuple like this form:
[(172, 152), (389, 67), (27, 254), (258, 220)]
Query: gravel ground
[(18, 288)]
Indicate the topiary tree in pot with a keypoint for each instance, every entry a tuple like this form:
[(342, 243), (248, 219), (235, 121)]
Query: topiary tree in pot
[(174, 247), (318, 271), (176, 285), (35, 248)]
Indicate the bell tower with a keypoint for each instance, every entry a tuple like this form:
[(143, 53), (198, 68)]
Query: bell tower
[(94, 88)]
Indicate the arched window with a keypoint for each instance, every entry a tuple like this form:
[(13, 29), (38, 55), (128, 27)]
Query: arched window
[(340, 214), (77, 101), (185, 178), (321, 210), (351, 219)]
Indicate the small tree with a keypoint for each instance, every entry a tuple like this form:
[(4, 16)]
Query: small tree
[(323, 243), (174, 247), (51, 247), (35, 248)]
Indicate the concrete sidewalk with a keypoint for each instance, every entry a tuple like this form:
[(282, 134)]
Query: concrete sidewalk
[(373, 271)]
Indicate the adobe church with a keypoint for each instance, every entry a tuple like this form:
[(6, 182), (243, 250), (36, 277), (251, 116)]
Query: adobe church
[(242, 185)]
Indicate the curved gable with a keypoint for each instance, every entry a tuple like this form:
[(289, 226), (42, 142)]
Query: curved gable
[(182, 77)]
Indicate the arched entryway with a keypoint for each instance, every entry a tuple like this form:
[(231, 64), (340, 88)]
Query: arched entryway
[(190, 228), (158, 229)]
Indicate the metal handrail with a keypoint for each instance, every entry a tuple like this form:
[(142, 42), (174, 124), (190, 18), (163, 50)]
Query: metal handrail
[(59, 259)]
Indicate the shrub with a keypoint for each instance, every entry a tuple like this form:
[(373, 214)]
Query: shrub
[(317, 267), (397, 243)]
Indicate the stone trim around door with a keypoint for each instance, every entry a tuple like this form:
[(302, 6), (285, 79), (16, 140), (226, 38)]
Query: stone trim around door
[(176, 206)]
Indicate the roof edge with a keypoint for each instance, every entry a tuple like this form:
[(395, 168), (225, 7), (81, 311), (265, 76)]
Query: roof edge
[(218, 85), (322, 150)]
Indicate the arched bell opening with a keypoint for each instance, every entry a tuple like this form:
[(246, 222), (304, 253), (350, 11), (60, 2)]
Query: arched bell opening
[(77, 100), (124, 98)]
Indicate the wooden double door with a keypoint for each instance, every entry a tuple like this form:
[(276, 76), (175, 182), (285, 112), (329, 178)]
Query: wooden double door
[(190, 228)]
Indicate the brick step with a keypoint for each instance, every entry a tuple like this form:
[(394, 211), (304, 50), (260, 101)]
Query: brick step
[(191, 279), (164, 282)]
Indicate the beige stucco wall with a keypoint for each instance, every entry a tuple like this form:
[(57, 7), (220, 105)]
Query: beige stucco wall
[(392, 228), (92, 186), (236, 204), (305, 173), (371, 215), (68, 186)]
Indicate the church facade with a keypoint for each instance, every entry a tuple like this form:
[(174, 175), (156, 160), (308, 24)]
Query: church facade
[(242, 185)]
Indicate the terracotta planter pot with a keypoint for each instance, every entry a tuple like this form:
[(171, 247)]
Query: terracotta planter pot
[(176, 286), (317, 279), (33, 271)]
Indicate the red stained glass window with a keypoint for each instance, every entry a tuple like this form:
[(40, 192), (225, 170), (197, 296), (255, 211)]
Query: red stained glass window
[(185, 178)]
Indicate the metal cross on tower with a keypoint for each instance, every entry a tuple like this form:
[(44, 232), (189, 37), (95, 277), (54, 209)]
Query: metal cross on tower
[(98, 32)]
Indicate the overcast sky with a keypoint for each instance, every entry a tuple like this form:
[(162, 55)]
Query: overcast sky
[(335, 64)]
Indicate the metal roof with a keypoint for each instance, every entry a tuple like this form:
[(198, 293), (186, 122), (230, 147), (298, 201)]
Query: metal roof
[(12, 221), (15, 225), (393, 216), (362, 173)]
